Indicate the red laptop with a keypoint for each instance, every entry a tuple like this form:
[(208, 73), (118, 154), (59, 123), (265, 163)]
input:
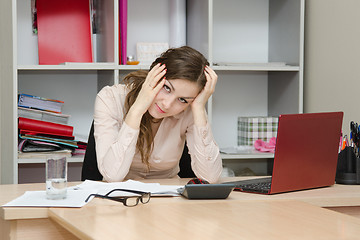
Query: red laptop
[(306, 154)]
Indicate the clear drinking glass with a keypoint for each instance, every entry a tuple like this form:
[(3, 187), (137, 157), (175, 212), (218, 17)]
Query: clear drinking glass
[(56, 177)]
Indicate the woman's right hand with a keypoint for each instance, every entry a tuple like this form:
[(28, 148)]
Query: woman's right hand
[(153, 83)]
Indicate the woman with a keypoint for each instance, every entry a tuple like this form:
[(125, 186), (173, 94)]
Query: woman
[(140, 127)]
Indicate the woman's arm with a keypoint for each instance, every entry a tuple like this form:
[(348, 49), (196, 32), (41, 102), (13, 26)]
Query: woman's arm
[(205, 154), (116, 139), (206, 161), (198, 105)]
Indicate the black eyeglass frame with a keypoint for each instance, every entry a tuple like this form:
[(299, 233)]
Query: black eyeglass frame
[(124, 199)]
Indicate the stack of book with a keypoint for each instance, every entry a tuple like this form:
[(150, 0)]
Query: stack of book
[(44, 130)]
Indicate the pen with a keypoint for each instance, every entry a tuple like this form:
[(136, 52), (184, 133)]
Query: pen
[(344, 142), (355, 137)]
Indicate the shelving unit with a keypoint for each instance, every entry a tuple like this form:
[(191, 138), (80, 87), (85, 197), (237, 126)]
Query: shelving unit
[(254, 33)]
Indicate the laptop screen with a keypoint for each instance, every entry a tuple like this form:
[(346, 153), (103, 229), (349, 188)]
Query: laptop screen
[(306, 151)]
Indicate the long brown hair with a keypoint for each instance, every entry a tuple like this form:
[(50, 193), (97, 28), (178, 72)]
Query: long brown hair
[(181, 63)]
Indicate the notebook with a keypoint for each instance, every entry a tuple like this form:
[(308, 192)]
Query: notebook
[(306, 154)]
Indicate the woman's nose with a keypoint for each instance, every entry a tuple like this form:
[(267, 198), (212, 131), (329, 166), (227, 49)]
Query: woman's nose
[(167, 103)]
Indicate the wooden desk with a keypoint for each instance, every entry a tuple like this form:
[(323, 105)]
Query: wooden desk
[(275, 219), (22, 223)]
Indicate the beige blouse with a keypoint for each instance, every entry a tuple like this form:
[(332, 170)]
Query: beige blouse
[(116, 143)]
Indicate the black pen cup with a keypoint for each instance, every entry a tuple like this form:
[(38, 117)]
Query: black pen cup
[(348, 167)]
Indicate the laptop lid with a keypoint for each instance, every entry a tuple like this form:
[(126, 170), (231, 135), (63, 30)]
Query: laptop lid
[(306, 151)]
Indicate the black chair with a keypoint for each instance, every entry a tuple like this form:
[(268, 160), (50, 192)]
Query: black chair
[(90, 169)]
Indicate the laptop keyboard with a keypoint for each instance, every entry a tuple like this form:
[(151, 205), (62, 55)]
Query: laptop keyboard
[(262, 185)]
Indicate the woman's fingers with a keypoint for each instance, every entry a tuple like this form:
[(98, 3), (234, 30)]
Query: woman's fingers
[(208, 90), (154, 81), (211, 78), (159, 85), (155, 74)]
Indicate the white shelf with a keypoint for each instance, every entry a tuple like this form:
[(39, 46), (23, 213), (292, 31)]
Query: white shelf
[(254, 155), (255, 67), (70, 66), (75, 159), (84, 66), (247, 38), (133, 67)]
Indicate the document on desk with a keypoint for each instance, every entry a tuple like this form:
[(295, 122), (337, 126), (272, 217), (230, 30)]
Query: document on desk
[(154, 188), (77, 195), (74, 198)]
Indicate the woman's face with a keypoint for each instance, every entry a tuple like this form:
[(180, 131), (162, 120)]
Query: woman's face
[(175, 96)]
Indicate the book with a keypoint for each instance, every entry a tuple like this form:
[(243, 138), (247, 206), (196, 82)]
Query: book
[(79, 152), (25, 155), (43, 115), (50, 135), (123, 31), (63, 142), (40, 103), (64, 31), (38, 126), (28, 145)]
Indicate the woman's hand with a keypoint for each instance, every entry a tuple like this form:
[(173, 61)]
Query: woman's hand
[(153, 83), (198, 105), (207, 91)]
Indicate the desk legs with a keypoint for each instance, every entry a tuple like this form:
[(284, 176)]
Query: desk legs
[(5, 229), (38, 229)]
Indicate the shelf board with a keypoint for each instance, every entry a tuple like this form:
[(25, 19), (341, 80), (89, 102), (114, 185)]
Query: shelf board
[(256, 67), (84, 66), (70, 66), (112, 66), (75, 159), (133, 67), (247, 155)]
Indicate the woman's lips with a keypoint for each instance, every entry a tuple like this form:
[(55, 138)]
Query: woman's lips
[(159, 109)]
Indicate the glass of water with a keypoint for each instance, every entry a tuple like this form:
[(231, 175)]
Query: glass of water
[(56, 177)]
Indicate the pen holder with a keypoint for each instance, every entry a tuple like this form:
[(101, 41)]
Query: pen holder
[(348, 167)]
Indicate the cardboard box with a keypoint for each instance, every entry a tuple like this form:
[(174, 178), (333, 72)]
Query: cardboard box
[(251, 129)]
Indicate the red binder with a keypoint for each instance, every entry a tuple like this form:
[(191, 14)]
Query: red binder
[(122, 31), (27, 125), (64, 31)]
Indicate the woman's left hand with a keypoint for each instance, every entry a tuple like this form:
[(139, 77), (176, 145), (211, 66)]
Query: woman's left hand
[(201, 99)]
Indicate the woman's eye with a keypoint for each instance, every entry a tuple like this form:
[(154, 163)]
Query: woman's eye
[(167, 88), (183, 100)]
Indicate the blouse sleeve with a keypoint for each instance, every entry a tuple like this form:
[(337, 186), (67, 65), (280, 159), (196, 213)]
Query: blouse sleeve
[(115, 140), (206, 161)]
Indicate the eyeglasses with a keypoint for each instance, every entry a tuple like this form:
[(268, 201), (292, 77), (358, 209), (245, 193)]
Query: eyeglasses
[(130, 201)]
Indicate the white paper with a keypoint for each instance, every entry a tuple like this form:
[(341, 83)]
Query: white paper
[(154, 188), (75, 198), (242, 149), (77, 195)]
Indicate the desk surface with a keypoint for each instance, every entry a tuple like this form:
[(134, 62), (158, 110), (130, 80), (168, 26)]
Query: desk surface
[(333, 196), (299, 214), (276, 219)]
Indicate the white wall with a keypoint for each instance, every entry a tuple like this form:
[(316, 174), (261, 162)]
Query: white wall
[(332, 58)]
